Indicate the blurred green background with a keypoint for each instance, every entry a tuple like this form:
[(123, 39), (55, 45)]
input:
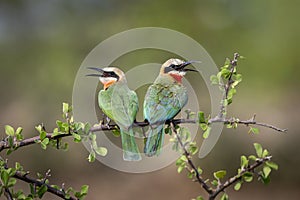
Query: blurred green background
[(44, 43)]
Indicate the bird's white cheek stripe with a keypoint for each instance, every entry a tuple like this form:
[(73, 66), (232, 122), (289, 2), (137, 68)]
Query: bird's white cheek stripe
[(107, 79), (178, 73)]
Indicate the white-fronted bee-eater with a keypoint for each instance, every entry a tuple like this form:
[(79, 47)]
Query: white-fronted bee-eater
[(120, 104), (163, 101)]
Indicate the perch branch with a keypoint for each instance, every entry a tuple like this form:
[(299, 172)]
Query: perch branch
[(236, 178), (21, 176)]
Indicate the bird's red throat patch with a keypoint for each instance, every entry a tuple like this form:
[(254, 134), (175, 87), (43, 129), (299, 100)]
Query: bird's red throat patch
[(177, 77)]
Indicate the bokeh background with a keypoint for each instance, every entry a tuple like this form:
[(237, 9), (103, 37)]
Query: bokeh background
[(44, 43)]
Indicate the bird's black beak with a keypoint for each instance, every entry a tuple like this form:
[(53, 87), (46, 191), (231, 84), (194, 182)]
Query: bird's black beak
[(183, 65), (101, 71)]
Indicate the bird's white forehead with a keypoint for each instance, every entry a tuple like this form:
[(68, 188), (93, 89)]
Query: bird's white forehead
[(109, 69), (177, 61), (173, 61)]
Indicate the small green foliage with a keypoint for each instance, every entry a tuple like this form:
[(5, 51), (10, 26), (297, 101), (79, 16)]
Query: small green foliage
[(10, 131), (266, 171), (82, 193), (248, 177), (181, 163), (168, 130), (253, 130), (238, 186), (214, 183), (220, 174), (199, 198), (193, 149), (92, 156), (206, 132), (102, 151), (258, 149), (116, 132), (41, 191), (272, 165), (214, 80), (224, 197), (244, 161), (201, 117)]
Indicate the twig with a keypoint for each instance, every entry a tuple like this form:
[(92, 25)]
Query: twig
[(227, 86), (236, 178), (20, 175)]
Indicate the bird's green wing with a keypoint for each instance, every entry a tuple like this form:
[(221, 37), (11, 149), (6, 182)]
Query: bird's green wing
[(120, 104), (163, 102)]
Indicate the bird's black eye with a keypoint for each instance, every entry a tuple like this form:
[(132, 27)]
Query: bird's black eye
[(172, 66)]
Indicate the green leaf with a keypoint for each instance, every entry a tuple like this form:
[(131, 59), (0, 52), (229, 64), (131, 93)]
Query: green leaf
[(224, 197), (42, 190), (201, 117), (4, 177), (84, 189), (102, 151), (252, 157), (238, 186), (214, 183), (265, 180), (199, 170), (265, 153), (180, 168), (46, 141), (193, 149), (231, 92), (237, 77), (272, 165), (92, 156), (203, 126), (9, 130), (220, 174), (11, 182), (207, 132), (244, 161), (254, 130), (43, 135), (214, 80), (77, 137), (65, 107), (266, 170), (258, 149), (116, 132), (248, 177), (19, 130), (199, 198)]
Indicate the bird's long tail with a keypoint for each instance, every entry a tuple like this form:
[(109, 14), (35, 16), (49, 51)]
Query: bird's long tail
[(155, 141), (130, 148)]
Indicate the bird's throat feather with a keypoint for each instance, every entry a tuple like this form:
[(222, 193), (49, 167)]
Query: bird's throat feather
[(177, 77)]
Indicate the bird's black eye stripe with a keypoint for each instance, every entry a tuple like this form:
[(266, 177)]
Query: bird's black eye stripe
[(110, 74)]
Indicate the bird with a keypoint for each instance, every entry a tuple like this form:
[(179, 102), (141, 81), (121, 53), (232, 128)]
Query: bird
[(120, 104), (163, 101)]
